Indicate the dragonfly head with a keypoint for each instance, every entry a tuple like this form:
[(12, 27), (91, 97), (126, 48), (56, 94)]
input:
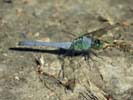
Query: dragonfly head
[(96, 44)]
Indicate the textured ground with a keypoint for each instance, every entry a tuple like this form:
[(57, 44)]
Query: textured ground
[(109, 77)]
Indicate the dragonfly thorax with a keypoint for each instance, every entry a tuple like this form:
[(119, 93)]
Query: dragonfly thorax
[(81, 44)]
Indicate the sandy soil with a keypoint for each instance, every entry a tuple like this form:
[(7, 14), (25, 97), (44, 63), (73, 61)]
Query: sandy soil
[(34, 74)]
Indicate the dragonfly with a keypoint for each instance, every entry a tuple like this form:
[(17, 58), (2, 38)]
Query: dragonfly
[(82, 43)]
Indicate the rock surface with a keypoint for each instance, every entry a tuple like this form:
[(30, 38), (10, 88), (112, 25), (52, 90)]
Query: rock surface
[(24, 75)]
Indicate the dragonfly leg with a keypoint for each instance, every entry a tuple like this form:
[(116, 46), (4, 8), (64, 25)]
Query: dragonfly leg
[(86, 55), (95, 54)]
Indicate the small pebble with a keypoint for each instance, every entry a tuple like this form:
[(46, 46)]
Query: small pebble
[(17, 78), (46, 39), (19, 12), (37, 34)]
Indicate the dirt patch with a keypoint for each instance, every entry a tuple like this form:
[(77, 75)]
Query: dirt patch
[(106, 77)]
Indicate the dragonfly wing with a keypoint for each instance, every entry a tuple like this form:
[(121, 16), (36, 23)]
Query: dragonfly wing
[(101, 31)]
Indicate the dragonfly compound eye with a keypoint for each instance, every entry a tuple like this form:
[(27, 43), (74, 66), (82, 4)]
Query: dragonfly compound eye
[(97, 44)]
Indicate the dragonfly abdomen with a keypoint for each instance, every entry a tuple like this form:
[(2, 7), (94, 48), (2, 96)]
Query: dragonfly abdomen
[(63, 45)]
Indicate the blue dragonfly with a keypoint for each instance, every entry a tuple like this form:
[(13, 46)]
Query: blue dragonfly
[(82, 43), (77, 45)]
